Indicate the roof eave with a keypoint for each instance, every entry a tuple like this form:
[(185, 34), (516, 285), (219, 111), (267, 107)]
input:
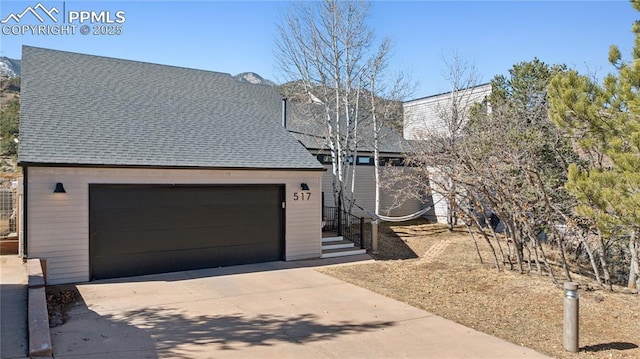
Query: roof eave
[(87, 165)]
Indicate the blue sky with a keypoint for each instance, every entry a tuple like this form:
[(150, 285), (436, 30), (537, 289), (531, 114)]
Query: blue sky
[(235, 37)]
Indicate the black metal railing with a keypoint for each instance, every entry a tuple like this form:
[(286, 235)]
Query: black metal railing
[(346, 225)]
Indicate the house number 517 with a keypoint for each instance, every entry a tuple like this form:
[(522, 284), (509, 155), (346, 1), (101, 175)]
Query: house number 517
[(301, 196)]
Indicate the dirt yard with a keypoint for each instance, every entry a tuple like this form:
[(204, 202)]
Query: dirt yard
[(428, 267)]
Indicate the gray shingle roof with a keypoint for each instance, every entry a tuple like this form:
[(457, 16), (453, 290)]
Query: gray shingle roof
[(305, 121), (89, 110)]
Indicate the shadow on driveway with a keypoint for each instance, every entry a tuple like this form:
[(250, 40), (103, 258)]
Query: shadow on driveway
[(167, 332), (232, 331), (259, 313)]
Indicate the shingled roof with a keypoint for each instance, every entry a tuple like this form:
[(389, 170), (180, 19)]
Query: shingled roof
[(88, 110), (306, 122)]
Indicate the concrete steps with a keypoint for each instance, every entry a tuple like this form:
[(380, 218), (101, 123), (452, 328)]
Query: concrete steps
[(339, 247)]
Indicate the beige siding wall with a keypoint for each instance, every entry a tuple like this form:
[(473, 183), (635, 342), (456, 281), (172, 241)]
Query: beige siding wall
[(58, 224), (365, 194)]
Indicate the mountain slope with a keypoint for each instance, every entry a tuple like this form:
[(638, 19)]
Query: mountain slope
[(9, 67), (253, 78)]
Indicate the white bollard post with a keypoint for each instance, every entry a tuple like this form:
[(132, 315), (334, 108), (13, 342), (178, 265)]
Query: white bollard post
[(571, 310)]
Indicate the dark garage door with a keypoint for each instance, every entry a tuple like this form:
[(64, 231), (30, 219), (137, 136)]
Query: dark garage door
[(145, 229)]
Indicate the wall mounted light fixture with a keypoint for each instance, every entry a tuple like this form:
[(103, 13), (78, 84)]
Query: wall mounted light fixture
[(59, 188), (304, 186)]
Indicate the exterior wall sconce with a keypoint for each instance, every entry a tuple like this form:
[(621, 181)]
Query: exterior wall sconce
[(304, 186), (59, 188)]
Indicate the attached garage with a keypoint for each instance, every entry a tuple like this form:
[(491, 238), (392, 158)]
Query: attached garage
[(159, 175), (144, 229)]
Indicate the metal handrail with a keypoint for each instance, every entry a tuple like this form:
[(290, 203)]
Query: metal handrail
[(345, 224)]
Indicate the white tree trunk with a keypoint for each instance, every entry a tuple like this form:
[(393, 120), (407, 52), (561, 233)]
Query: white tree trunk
[(634, 268)]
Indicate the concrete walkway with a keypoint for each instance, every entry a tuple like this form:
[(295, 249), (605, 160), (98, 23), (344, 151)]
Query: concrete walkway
[(13, 307), (270, 310)]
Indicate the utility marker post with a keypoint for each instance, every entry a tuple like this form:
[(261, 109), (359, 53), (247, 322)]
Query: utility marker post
[(374, 235), (571, 310)]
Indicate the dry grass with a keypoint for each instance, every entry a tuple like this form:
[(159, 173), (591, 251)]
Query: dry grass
[(428, 267)]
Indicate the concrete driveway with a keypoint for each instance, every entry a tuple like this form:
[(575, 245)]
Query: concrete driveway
[(271, 310)]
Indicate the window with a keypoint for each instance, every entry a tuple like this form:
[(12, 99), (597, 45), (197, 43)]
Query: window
[(324, 159), (392, 161), (365, 160)]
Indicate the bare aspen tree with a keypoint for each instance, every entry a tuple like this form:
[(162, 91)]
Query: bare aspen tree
[(463, 78), (325, 46), (634, 270), (385, 107), (328, 48), (443, 137)]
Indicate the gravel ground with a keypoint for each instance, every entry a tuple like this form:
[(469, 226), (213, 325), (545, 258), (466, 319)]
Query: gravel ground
[(431, 268)]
